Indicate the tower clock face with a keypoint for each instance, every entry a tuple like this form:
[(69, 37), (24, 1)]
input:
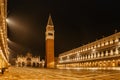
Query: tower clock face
[(50, 34)]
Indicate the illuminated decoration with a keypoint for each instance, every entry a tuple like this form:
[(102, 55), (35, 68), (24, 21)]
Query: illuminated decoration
[(29, 61), (50, 63), (101, 54), (3, 36)]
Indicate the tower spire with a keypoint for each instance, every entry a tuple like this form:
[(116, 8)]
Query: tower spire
[(50, 22)]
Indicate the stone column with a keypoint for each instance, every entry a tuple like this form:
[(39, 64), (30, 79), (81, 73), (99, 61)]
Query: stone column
[(83, 57), (111, 52), (94, 55), (88, 56), (102, 54), (91, 56), (116, 50), (98, 55), (106, 53)]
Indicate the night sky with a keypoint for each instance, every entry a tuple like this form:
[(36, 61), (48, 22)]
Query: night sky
[(76, 22)]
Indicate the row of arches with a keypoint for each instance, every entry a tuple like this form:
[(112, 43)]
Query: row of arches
[(29, 64), (101, 63)]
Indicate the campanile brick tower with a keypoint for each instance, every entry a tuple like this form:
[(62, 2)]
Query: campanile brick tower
[(50, 44)]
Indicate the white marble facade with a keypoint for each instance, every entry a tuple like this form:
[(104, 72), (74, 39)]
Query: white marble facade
[(29, 61)]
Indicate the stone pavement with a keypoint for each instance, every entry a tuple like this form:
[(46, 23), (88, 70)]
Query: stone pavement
[(17, 73)]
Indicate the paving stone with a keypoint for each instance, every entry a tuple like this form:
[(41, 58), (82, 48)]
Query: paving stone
[(18, 73)]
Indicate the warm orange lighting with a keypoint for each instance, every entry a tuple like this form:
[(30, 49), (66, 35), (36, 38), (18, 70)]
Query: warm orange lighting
[(7, 20)]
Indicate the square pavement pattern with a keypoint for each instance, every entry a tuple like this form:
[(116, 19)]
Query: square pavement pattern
[(17, 73)]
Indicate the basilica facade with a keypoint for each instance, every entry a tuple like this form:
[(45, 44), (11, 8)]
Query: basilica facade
[(29, 61), (100, 54)]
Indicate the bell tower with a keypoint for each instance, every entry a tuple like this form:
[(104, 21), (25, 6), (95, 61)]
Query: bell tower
[(50, 43)]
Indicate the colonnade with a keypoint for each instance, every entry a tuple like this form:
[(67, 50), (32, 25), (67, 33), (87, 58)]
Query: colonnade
[(101, 53), (92, 64), (28, 64)]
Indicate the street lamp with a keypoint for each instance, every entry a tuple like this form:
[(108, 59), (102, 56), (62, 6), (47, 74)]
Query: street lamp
[(7, 20), (10, 21)]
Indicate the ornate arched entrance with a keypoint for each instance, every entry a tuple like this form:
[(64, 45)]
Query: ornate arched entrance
[(23, 64), (19, 64), (28, 62)]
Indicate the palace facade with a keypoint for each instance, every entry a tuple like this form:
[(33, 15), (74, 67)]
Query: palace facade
[(29, 61), (103, 53), (3, 36)]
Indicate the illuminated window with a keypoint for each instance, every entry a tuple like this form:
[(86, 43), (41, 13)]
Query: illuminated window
[(95, 55), (106, 43), (87, 48), (93, 50), (98, 45), (111, 42), (91, 47), (83, 49), (116, 40), (102, 44), (95, 46)]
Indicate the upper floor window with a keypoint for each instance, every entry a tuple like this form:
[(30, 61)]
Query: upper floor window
[(95, 46), (102, 44), (111, 42), (91, 47), (116, 40), (98, 45), (106, 43)]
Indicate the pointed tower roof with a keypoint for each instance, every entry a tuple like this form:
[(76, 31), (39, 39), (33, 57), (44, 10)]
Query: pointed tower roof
[(50, 22)]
